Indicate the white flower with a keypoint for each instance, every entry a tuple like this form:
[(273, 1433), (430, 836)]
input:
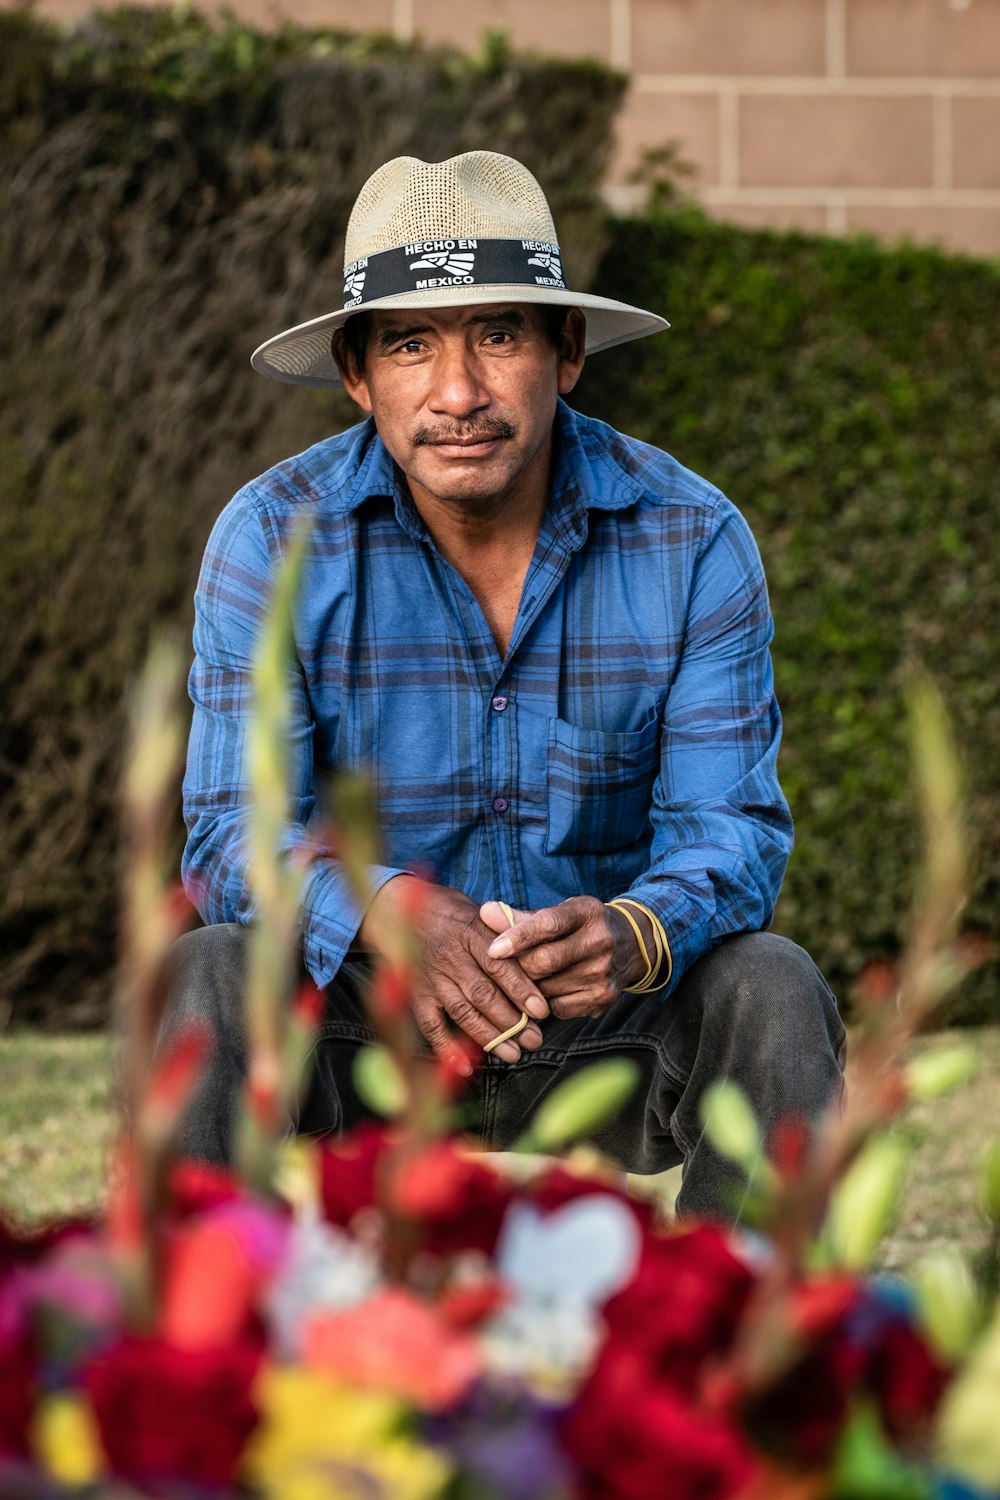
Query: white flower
[(325, 1269), (561, 1268)]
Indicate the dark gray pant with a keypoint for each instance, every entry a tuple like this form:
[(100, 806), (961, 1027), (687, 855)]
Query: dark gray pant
[(755, 1010)]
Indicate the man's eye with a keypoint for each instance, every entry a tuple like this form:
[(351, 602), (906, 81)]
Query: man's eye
[(412, 346), (498, 336)]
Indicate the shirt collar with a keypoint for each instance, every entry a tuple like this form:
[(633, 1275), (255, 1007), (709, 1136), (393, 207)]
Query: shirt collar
[(587, 474)]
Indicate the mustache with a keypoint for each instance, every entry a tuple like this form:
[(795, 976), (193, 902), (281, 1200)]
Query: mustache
[(480, 430)]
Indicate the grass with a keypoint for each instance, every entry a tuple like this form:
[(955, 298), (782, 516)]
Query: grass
[(57, 1120)]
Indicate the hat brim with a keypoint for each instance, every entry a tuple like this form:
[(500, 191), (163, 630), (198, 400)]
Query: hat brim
[(301, 355)]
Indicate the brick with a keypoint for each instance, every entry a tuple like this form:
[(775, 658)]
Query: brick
[(651, 119), (922, 38), (582, 29), (810, 217), (975, 129), (968, 231), (833, 140), (765, 37), (334, 15)]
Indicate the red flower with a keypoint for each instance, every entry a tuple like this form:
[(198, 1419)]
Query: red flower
[(18, 1390), (457, 1199), (632, 1437), (905, 1379), (166, 1413), (196, 1187), (803, 1413), (683, 1304), (348, 1170)]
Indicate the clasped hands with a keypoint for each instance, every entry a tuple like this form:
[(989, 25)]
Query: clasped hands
[(477, 974)]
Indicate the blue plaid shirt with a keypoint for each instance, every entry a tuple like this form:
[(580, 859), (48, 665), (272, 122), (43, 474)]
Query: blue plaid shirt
[(627, 743)]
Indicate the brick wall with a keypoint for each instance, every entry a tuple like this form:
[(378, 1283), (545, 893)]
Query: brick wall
[(837, 115)]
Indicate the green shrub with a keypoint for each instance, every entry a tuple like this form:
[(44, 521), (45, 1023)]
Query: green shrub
[(847, 398)]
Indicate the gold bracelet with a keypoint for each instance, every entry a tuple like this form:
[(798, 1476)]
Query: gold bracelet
[(645, 985), (518, 1026), (650, 963)]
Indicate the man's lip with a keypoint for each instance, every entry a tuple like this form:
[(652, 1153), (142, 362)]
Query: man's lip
[(465, 445)]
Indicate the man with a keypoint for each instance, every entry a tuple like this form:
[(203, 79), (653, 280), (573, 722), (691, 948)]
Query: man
[(549, 644)]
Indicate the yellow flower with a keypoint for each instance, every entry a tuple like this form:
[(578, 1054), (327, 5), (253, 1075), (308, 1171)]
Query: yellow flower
[(322, 1441), (66, 1441)]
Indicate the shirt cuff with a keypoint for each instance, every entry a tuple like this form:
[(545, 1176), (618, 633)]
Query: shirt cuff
[(331, 915)]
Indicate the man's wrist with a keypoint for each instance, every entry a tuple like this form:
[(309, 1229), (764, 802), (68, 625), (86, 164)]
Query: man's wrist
[(656, 964), (634, 940)]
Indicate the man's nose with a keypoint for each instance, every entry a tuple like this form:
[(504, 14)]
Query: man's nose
[(458, 388)]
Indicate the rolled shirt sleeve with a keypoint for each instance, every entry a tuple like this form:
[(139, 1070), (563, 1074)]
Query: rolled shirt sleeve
[(722, 831)]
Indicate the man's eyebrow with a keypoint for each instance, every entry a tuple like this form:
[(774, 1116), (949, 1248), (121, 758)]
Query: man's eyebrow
[(512, 319)]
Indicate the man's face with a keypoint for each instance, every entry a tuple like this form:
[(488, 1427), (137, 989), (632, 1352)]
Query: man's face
[(464, 398)]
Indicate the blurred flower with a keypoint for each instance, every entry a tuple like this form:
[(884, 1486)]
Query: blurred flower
[(324, 1269), (348, 1171), (166, 1413), (634, 1436), (322, 1441), (395, 1343), (65, 1440), (683, 1304), (217, 1267), (457, 1198), (560, 1269), (505, 1439), (18, 1389)]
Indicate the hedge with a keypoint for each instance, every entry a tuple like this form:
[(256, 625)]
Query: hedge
[(173, 192), (847, 398)]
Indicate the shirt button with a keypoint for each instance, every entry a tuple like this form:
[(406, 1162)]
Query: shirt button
[(500, 804), (499, 704)]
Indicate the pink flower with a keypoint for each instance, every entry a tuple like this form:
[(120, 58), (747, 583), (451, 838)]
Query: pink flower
[(395, 1343)]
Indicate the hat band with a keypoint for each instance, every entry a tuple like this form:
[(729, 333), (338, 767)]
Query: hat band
[(427, 265)]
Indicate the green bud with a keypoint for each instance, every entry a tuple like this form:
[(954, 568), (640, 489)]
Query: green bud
[(730, 1124), (579, 1107), (864, 1204), (379, 1082), (949, 1307), (867, 1467), (936, 1072), (989, 1182)]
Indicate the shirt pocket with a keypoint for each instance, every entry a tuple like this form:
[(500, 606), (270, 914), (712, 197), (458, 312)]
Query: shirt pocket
[(600, 787)]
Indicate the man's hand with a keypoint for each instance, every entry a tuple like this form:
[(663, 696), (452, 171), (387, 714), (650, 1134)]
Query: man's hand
[(582, 953), (457, 979)]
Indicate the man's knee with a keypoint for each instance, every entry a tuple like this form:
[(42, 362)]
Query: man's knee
[(206, 978), (760, 982)]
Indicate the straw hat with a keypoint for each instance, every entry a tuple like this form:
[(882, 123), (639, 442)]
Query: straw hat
[(473, 229)]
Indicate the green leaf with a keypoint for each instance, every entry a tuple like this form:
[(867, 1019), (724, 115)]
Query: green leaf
[(579, 1107), (379, 1082), (730, 1124), (865, 1201)]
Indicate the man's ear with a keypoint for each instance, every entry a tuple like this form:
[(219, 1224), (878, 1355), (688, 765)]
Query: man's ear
[(572, 350), (351, 373)]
